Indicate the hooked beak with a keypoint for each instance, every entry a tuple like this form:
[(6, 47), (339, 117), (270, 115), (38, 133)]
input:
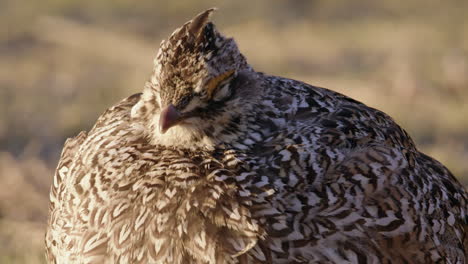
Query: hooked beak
[(169, 117)]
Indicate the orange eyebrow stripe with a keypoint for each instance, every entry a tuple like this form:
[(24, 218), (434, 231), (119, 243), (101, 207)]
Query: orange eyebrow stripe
[(213, 83)]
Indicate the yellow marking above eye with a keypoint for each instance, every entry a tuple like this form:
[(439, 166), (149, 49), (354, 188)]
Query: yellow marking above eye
[(214, 82)]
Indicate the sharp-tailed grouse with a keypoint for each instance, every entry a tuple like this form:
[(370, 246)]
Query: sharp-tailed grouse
[(217, 163)]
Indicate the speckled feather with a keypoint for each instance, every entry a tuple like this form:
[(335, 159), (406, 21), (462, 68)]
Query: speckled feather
[(278, 171)]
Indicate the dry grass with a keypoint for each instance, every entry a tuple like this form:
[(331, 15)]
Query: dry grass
[(23, 204), (63, 62)]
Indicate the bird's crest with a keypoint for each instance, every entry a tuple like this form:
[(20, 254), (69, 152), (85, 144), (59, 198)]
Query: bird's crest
[(191, 33), (193, 55), (198, 23)]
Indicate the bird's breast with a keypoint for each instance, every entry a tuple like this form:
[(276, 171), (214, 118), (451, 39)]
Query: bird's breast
[(159, 203)]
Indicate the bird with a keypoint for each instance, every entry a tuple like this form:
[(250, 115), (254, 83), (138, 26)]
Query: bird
[(215, 162)]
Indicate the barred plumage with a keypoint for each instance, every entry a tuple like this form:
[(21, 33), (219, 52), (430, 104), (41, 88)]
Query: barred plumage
[(217, 163)]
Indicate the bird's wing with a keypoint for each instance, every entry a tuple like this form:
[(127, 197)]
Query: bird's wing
[(370, 196), (72, 165), (385, 204)]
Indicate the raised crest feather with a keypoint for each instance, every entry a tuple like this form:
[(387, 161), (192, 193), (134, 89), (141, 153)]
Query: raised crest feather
[(197, 24)]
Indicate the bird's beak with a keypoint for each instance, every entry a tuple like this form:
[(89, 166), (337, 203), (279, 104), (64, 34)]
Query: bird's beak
[(169, 117)]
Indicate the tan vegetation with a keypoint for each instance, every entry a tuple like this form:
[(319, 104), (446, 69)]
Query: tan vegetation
[(63, 62)]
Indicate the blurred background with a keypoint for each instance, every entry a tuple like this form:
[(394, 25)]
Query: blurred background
[(63, 62)]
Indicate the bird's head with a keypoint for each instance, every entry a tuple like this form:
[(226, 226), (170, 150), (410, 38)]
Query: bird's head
[(200, 89)]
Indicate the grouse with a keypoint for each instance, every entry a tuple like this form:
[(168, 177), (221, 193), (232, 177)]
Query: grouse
[(215, 162)]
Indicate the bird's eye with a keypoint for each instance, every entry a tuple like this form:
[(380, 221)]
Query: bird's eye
[(184, 101), (218, 87), (223, 91)]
